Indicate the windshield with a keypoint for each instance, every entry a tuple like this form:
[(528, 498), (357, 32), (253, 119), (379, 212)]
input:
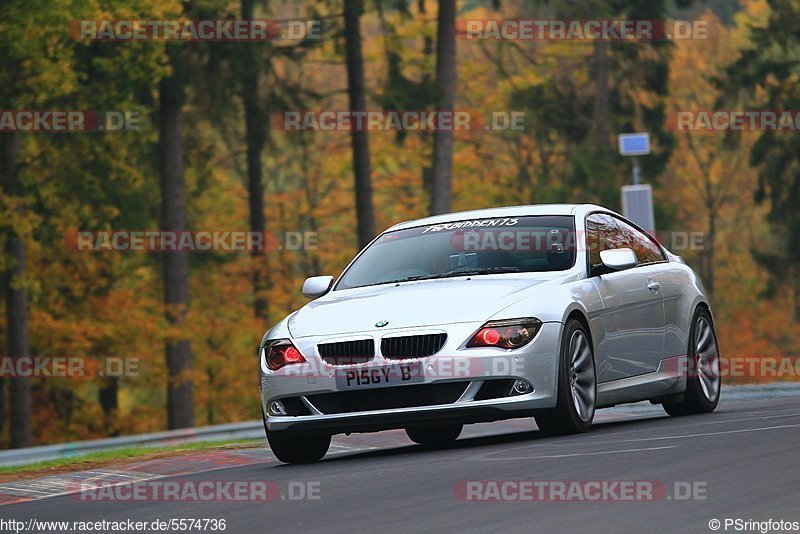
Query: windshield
[(473, 247)]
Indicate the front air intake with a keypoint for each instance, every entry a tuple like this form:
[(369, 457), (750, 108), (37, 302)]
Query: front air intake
[(408, 347), (347, 352)]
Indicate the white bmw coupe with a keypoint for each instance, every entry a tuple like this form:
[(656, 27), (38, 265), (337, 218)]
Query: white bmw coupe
[(549, 311)]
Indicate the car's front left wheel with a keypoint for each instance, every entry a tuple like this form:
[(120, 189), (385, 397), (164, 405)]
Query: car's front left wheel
[(434, 437), (577, 385), (298, 449)]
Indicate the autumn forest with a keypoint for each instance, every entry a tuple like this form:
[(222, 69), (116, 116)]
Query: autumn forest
[(205, 154)]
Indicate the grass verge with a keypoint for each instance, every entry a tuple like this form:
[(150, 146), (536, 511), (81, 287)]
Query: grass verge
[(116, 456)]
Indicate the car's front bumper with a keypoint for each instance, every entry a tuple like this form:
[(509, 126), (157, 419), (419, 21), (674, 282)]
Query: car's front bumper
[(451, 368)]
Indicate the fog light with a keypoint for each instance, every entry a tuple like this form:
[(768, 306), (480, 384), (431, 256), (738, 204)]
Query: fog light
[(276, 408), (521, 387)]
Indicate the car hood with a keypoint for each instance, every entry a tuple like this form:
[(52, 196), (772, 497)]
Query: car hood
[(409, 304)]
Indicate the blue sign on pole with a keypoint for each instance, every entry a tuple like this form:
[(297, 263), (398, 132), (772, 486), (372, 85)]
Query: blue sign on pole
[(637, 200), (634, 144)]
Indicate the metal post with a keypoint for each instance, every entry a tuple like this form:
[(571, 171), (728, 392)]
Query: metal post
[(636, 175)]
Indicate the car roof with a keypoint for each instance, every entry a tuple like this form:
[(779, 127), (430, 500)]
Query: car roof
[(508, 211)]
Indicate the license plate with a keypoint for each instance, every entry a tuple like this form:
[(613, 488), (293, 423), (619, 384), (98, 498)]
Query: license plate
[(375, 377)]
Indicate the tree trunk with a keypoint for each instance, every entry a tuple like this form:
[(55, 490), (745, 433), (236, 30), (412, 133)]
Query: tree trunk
[(2, 407), (16, 302), (254, 137), (311, 261), (795, 271), (180, 408), (711, 242), (108, 396), (442, 169), (601, 137), (365, 215), (427, 51)]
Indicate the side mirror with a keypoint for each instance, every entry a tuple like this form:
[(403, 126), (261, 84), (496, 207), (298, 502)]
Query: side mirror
[(316, 286), (618, 259)]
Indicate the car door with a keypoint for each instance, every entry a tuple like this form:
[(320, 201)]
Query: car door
[(633, 310), (667, 279)]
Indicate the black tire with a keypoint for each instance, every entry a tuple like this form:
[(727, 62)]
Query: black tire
[(565, 418), (695, 399), (434, 437), (291, 448)]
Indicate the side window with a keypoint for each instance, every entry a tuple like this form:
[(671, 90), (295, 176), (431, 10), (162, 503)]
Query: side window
[(601, 234), (647, 251)]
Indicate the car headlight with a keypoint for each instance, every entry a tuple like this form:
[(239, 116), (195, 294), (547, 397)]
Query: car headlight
[(280, 353), (506, 334)]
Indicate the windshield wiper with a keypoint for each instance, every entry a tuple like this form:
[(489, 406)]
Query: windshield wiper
[(470, 271)]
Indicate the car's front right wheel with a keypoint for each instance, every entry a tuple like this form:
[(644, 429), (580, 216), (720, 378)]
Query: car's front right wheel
[(577, 385), (703, 382)]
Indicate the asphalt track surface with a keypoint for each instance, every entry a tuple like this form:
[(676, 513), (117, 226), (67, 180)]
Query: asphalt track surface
[(741, 461)]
